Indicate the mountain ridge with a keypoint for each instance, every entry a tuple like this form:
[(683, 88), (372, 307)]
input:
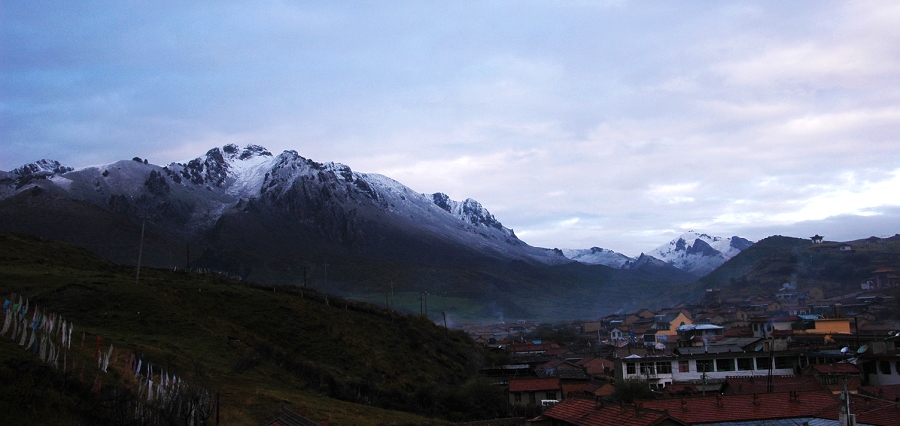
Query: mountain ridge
[(692, 252), (287, 220)]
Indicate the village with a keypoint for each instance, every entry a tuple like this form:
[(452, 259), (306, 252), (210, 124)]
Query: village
[(789, 358)]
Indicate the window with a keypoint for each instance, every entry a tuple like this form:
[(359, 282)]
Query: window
[(705, 365), (784, 362), (869, 368), (745, 364), (629, 367), (664, 368), (684, 366), (726, 364), (517, 397), (551, 395), (830, 380), (647, 368), (884, 367), (763, 363)]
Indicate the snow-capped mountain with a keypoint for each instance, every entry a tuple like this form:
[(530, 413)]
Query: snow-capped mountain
[(327, 202), (283, 219), (692, 252), (598, 256), (699, 253)]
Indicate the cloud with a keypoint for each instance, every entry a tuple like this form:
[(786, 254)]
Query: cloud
[(612, 124)]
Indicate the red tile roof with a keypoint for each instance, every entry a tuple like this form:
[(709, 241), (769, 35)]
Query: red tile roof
[(839, 368), (759, 384), (573, 389), (594, 365), (586, 412), (890, 393), (532, 385), (868, 410), (732, 408)]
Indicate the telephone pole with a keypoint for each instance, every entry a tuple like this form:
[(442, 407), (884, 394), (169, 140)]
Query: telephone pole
[(137, 277)]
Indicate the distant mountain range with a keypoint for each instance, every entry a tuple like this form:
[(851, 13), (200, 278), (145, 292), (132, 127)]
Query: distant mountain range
[(692, 252), (286, 219)]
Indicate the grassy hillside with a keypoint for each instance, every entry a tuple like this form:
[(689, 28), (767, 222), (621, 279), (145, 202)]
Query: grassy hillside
[(271, 249), (765, 266), (253, 346)]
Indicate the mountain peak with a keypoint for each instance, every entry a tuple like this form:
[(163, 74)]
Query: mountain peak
[(699, 253), (598, 256), (214, 168), (232, 151), (41, 168)]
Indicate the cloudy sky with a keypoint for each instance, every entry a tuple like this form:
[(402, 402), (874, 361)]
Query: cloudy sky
[(615, 124)]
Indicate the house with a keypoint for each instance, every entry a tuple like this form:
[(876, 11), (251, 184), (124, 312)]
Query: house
[(886, 278), (817, 239), (845, 248), (599, 390), (531, 348), (589, 327), (597, 366), (618, 334), (694, 367), (699, 334), (880, 369), (666, 325), (588, 412), (827, 326), (765, 327), (836, 376), (525, 392)]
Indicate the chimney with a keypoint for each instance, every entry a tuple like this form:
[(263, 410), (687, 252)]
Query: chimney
[(683, 404), (719, 402)]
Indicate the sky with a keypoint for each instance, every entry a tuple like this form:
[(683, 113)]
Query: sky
[(615, 124)]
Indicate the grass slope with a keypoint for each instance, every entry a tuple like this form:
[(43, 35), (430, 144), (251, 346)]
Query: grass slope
[(255, 346)]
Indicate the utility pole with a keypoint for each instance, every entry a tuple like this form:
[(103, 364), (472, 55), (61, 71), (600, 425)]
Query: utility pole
[(137, 276)]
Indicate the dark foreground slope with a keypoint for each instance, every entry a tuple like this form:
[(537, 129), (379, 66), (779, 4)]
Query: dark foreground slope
[(254, 347)]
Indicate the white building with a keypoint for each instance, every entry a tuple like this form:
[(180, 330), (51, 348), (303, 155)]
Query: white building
[(659, 372)]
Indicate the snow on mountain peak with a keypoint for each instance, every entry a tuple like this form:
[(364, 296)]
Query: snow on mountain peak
[(699, 253), (598, 256), (693, 252), (469, 210), (41, 168)]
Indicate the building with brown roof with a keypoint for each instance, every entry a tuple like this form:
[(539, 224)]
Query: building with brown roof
[(765, 384), (525, 392), (746, 407), (587, 412), (836, 376)]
